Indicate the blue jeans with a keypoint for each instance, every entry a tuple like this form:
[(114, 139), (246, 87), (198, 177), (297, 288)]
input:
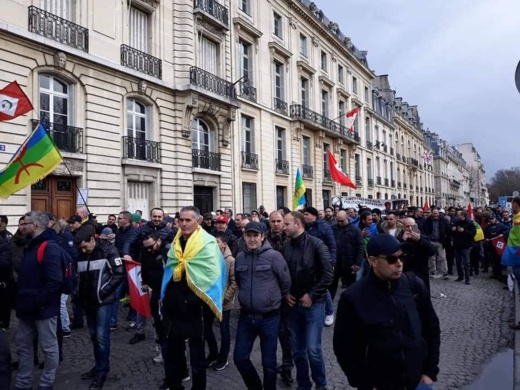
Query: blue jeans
[(98, 322), (306, 330), (329, 304), (424, 386), (248, 329), (462, 261), (120, 293), (225, 337), (363, 270)]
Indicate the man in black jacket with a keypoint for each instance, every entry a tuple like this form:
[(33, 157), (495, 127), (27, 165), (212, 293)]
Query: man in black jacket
[(463, 233), (437, 230), (395, 344), (492, 231), (100, 271), (6, 274), (311, 273), (350, 252)]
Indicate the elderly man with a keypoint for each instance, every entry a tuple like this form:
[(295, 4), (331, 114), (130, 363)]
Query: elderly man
[(194, 256)]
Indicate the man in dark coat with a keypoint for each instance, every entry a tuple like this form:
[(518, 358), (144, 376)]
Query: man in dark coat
[(463, 233), (6, 275)]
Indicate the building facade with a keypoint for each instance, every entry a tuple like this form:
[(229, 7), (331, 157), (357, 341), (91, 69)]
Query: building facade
[(478, 193)]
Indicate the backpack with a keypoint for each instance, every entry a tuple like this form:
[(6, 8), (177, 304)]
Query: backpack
[(69, 275)]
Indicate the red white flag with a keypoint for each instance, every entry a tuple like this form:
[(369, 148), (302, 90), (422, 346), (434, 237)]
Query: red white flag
[(351, 119), (337, 174), (13, 102), (426, 205), (470, 212), (500, 244), (139, 300)]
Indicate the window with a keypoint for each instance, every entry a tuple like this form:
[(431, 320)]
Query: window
[(247, 134), (357, 165), (278, 80), (324, 65), (326, 198), (378, 167), (303, 45), (324, 103), (368, 130), (326, 148), (137, 129), (62, 8), (245, 63), (304, 88), (370, 174), (306, 150), (367, 98), (342, 113), (138, 25), (280, 143), (341, 75), (245, 6), (280, 196), (277, 19), (208, 55), (343, 160), (249, 197), (55, 100), (354, 85), (203, 138)]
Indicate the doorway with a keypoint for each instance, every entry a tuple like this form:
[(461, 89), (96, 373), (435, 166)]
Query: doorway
[(203, 198), (56, 195)]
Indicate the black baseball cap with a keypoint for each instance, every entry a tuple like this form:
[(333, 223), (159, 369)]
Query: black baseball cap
[(254, 227), (383, 244), (74, 218)]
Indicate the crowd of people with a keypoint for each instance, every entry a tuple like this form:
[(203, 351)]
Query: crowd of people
[(284, 268)]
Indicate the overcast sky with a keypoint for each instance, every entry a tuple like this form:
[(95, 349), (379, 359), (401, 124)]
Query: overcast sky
[(455, 59)]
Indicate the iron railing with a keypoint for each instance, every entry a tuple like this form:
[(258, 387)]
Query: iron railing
[(141, 61), (249, 160), (386, 182), (370, 182), (141, 149), (212, 83), (326, 175), (356, 137), (282, 166), (398, 155), (247, 91), (280, 106), (370, 145), (378, 180), (392, 151), (204, 159), (58, 29), (413, 162), (393, 182), (307, 171), (214, 9), (359, 180), (67, 138)]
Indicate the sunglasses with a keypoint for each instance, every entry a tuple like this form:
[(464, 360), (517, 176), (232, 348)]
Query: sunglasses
[(391, 259)]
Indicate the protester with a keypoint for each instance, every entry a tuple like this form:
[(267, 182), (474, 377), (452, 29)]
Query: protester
[(463, 233)]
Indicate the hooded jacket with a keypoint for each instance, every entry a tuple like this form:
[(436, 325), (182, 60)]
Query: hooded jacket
[(262, 278), (350, 245), (323, 231)]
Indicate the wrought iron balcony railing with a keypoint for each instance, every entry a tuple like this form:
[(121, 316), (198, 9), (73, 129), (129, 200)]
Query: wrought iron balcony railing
[(307, 171), (282, 166), (370, 145), (206, 160), (67, 138), (392, 151), (214, 9), (386, 182), (378, 180), (212, 83), (58, 29), (398, 155), (247, 91), (393, 183), (326, 175), (141, 149), (141, 61), (370, 182), (356, 137), (249, 160), (359, 180), (280, 106)]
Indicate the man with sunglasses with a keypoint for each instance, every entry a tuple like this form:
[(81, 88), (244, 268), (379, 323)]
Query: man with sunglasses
[(395, 344)]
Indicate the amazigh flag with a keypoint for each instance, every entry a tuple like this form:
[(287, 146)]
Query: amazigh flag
[(511, 255), (299, 190), (351, 119), (13, 102), (139, 300), (337, 174), (499, 243), (203, 267), (36, 158)]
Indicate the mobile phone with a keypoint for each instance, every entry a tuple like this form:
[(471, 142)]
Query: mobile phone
[(415, 229)]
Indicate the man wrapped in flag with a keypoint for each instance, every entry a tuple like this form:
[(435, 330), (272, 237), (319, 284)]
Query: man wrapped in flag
[(192, 293)]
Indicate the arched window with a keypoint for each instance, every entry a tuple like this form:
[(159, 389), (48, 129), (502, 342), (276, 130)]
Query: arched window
[(55, 100), (203, 137)]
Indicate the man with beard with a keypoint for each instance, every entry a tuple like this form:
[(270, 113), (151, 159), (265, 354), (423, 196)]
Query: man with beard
[(329, 216)]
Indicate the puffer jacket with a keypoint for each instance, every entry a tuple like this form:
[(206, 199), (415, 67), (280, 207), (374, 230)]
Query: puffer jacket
[(100, 273), (6, 256), (323, 231), (122, 236), (309, 264), (350, 245), (262, 278)]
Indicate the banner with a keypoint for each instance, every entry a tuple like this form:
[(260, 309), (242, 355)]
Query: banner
[(139, 300), (346, 202)]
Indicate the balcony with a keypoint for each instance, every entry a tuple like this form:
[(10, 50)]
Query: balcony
[(393, 183), (378, 180), (67, 138), (280, 106), (58, 29), (403, 158), (141, 61), (370, 145), (399, 184), (386, 182), (247, 91), (212, 83), (356, 137), (250, 160), (413, 162), (141, 149), (206, 160), (282, 166), (391, 151), (359, 181), (370, 182), (308, 171), (326, 175), (385, 149), (320, 122), (215, 12), (398, 155)]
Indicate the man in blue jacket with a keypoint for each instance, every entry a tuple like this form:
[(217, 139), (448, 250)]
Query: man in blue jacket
[(38, 303)]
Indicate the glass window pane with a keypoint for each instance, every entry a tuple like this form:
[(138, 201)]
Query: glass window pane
[(60, 105), (60, 86), (44, 81), (44, 101)]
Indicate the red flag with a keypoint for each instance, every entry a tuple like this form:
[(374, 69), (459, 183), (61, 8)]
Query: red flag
[(470, 212), (139, 300), (500, 244), (337, 174), (13, 102), (426, 205), (351, 119)]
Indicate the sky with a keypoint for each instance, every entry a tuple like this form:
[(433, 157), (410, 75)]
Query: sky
[(455, 59)]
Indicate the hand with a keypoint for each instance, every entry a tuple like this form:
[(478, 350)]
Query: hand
[(415, 236), (127, 258), (407, 235), (144, 288), (426, 380), (365, 232), (306, 300), (291, 301), (356, 268)]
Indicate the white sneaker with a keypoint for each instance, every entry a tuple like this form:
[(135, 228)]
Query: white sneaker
[(158, 358), (329, 320)]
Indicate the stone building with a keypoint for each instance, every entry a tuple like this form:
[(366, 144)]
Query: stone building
[(476, 174)]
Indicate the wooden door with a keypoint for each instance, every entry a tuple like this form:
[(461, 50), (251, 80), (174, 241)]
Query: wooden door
[(56, 195)]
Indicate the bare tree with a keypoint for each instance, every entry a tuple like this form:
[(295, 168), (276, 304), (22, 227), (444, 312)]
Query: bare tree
[(504, 182)]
